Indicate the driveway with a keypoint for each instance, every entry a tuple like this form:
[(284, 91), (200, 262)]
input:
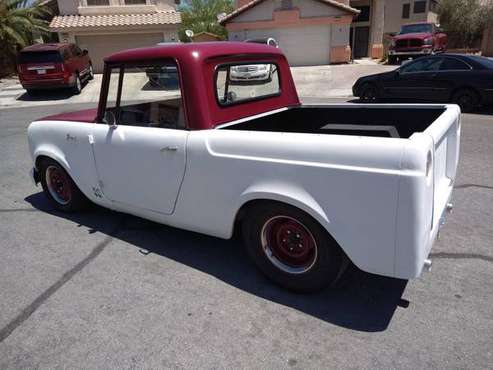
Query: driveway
[(105, 290), (319, 81)]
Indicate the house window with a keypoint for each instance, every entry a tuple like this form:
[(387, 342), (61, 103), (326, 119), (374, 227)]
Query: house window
[(98, 2), (419, 7), (364, 15), (135, 2), (286, 4), (406, 8)]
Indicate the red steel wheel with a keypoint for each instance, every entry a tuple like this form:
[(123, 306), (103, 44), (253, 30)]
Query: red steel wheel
[(288, 244), (58, 184)]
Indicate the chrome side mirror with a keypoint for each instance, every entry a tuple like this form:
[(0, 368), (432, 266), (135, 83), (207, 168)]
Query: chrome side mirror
[(110, 119)]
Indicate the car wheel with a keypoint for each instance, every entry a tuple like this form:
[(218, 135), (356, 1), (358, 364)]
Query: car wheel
[(91, 73), (466, 99), (369, 93), (59, 187), (392, 60), (78, 85), (291, 248)]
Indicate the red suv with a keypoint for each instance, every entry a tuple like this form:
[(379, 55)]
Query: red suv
[(48, 66)]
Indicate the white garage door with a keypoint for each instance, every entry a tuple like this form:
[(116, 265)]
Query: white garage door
[(100, 46), (302, 46)]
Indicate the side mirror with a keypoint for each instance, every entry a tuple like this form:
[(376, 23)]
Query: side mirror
[(110, 119), (85, 52)]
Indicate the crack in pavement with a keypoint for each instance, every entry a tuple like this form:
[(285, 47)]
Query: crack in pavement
[(462, 256), (67, 276), (465, 186)]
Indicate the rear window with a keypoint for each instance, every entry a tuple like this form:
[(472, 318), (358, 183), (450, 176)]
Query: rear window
[(39, 57), (238, 83)]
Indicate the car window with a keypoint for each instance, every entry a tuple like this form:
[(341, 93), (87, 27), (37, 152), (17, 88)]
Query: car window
[(452, 64), (39, 57), (422, 65), (149, 96), (237, 83)]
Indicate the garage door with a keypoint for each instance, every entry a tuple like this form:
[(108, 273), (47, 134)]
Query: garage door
[(100, 46), (302, 46)]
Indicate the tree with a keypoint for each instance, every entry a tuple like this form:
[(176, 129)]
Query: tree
[(201, 16), (20, 22), (465, 18)]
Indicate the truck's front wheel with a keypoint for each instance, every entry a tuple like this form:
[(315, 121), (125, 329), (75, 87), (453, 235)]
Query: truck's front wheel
[(290, 247)]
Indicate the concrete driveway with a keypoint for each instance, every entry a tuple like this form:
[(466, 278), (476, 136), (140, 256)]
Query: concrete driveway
[(106, 290), (319, 81)]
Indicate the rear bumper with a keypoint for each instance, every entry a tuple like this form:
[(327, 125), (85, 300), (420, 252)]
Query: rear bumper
[(52, 83), (424, 51)]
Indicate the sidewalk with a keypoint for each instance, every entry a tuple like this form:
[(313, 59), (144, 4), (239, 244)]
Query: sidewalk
[(328, 81)]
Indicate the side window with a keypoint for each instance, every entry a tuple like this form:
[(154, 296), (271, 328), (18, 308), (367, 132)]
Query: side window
[(237, 83), (452, 64), (419, 7), (406, 9), (145, 96), (423, 65)]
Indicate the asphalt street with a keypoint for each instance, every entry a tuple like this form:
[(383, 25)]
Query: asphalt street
[(101, 289)]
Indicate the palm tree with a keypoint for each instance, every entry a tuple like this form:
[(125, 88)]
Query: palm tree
[(20, 22), (201, 16)]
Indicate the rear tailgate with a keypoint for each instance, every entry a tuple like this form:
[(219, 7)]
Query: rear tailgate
[(445, 132)]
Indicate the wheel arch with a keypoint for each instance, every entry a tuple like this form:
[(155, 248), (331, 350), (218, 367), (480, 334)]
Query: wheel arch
[(53, 154), (465, 87)]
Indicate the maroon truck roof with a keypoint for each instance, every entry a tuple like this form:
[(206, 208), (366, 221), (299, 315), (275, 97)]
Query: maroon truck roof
[(45, 47)]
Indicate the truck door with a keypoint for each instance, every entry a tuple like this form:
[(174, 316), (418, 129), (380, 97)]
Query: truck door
[(140, 148)]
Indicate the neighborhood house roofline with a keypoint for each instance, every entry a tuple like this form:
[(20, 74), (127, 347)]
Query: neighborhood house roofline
[(253, 3), (68, 22)]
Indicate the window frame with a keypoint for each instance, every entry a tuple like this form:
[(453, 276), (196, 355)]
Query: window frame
[(470, 68), (120, 68), (249, 100), (87, 3), (421, 60), (145, 2), (419, 2), (403, 15)]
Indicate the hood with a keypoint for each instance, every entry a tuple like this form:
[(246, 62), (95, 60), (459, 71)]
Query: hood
[(417, 35), (86, 115)]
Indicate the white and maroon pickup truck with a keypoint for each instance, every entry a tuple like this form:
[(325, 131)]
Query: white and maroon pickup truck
[(307, 185)]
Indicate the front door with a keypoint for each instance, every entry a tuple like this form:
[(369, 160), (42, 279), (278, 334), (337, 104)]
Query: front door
[(360, 42), (414, 80), (141, 158)]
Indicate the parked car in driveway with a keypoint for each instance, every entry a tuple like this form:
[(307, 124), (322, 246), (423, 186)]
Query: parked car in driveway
[(466, 80), (416, 40), (54, 65), (306, 185)]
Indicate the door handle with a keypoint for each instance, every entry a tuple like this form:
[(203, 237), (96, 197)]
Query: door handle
[(169, 149)]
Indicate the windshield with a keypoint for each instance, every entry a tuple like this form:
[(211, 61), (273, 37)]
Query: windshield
[(416, 28), (40, 57)]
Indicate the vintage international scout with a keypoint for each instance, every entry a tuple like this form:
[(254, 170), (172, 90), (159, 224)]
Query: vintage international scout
[(307, 185)]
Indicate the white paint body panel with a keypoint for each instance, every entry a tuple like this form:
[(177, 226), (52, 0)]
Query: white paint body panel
[(371, 194)]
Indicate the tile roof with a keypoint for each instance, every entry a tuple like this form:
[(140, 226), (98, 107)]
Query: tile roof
[(251, 4), (65, 22)]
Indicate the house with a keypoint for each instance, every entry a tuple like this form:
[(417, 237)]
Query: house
[(310, 32), (106, 26), (378, 19), (326, 31)]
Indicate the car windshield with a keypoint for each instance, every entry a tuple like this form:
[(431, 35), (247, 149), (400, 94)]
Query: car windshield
[(40, 57), (416, 28)]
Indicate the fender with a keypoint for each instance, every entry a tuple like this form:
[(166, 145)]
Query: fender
[(53, 152), (290, 194)]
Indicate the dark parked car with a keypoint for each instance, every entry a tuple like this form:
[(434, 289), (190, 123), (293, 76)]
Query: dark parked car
[(54, 65), (466, 80)]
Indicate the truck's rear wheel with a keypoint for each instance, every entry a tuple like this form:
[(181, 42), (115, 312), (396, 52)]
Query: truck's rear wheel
[(290, 247), (59, 187)]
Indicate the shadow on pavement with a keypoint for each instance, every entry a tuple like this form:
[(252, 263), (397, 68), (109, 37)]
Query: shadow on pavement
[(46, 95), (359, 301)]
